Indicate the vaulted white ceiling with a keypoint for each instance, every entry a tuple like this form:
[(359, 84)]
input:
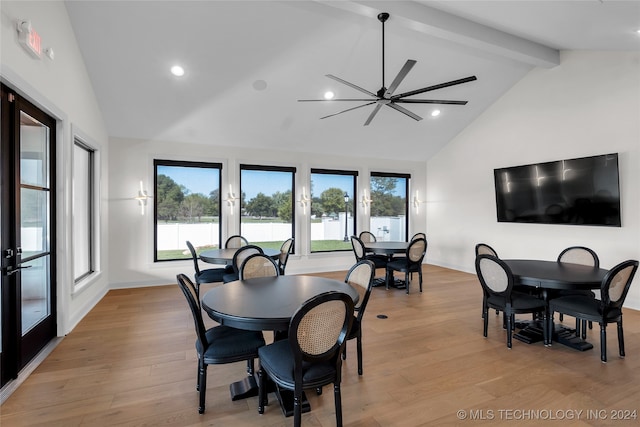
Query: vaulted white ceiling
[(247, 63)]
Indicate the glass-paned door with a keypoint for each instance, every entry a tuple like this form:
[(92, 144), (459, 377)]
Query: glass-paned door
[(27, 236)]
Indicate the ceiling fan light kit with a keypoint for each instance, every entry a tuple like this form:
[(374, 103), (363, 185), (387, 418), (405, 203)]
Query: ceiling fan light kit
[(385, 96)]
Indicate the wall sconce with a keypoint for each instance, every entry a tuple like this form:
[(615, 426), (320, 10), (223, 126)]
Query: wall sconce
[(231, 199), (142, 198), (366, 201), (304, 200), (417, 201)]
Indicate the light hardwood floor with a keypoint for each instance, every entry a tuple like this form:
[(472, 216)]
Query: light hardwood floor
[(131, 361)]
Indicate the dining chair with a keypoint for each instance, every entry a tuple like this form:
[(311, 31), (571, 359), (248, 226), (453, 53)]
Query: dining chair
[(359, 251), (496, 280), (359, 277), (310, 356), (608, 309), (209, 275), (234, 242), (285, 251), (583, 256), (241, 254), (219, 344), (411, 262), (258, 265)]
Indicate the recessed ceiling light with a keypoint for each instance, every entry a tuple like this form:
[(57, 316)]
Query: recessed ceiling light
[(177, 71), (329, 95), (435, 113)]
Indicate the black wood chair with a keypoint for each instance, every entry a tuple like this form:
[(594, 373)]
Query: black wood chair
[(359, 251), (608, 309), (234, 242), (285, 251), (310, 357), (583, 256), (218, 345), (241, 254), (496, 280), (209, 275), (410, 263), (258, 265), (360, 277), (483, 248)]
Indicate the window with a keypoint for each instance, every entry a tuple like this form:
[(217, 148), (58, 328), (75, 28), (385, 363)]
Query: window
[(388, 218), (332, 209), (83, 211), (186, 207), (266, 204)]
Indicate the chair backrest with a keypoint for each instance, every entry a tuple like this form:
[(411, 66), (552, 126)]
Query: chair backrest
[(191, 294), (242, 254), (616, 283), (495, 276), (416, 251), (367, 236), (358, 248), (194, 255), (360, 277), (285, 251), (318, 329), (419, 236), (235, 241), (258, 265), (484, 249), (579, 255)]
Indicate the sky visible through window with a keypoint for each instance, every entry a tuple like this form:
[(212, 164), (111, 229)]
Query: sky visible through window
[(203, 180)]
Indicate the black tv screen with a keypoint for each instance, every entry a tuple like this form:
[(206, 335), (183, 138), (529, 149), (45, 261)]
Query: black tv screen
[(582, 191)]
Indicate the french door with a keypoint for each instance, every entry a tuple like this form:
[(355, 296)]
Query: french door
[(27, 221)]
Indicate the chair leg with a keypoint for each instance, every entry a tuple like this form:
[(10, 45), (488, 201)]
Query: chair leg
[(509, 326), (388, 278), (406, 282), (603, 342), (583, 329), (359, 346), (338, 403), (250, 368), (485, 320), (420, 277), (344, 351), (549, 327), (620, 339), (297, 408), (203, 387), (262, 390)]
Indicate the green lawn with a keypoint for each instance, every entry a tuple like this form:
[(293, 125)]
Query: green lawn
[(316, 246)]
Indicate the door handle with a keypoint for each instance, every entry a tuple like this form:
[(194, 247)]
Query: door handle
[(14, 270)]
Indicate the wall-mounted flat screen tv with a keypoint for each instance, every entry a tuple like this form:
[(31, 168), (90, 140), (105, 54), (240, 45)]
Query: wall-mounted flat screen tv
[(582, 191)]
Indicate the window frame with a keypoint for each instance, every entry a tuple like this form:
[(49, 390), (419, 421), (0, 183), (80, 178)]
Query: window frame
[(354, 191), (270, 168), (186, 164), (83, 141), (406, 176)]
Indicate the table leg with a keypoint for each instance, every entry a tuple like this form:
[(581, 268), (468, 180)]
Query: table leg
[(246, 387)]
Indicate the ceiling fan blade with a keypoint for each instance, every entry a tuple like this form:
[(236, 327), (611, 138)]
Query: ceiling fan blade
[(348, 109), (373, 114), (404, 111), (329, 100), (351, 85), (430, 101), (434, 87), (401, 75)]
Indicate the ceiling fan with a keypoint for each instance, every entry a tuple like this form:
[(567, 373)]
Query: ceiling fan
[(385, 96)]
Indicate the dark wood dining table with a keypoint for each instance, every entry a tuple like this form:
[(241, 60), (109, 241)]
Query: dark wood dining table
[(389, 249), (266, 304), (548, 276), (225, 255)]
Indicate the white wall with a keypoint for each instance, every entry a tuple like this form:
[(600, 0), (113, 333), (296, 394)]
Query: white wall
[(62, 88), (131, 234), (588, 105)]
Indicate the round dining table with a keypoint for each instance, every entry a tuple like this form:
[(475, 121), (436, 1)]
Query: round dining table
[(266, 303), (225, 255), (386, 248)]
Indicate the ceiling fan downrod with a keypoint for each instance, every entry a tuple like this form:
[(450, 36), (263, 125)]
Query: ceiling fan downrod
[(382, 17)]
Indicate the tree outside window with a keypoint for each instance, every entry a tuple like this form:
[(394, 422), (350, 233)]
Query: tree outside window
[(388, 219)]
